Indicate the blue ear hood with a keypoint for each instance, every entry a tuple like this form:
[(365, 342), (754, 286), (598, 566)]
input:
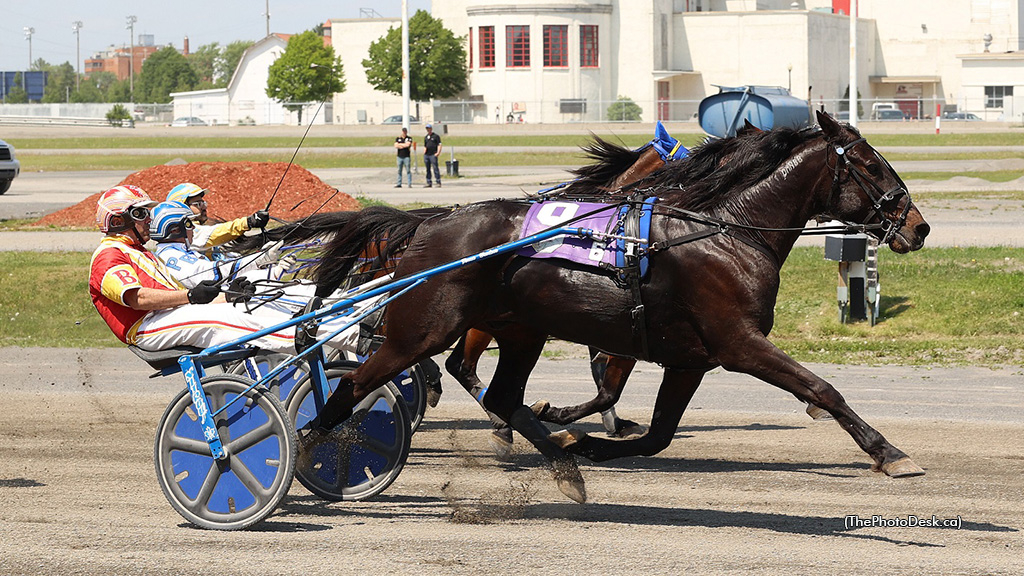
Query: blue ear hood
[(669, 147)]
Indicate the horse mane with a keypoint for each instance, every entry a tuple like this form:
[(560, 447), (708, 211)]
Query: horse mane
[(609, 161), (720, 169)]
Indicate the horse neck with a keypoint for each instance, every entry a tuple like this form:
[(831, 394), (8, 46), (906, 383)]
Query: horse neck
[(794, 193), (646, 164)]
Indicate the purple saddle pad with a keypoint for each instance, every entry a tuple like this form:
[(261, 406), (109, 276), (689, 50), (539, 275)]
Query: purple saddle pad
[(600, 218)]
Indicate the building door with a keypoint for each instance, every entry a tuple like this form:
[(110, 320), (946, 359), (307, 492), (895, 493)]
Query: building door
[(663, 103)]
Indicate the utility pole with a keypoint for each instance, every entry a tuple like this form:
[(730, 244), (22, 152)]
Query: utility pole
[(853, 63), (405, 64), (131, 55), (75, 27), (267, 14), (29, 31)]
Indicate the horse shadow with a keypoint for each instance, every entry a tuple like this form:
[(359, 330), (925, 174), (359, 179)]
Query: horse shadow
[(713, 518)]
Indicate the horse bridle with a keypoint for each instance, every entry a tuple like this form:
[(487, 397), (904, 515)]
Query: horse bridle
[(873, 191)]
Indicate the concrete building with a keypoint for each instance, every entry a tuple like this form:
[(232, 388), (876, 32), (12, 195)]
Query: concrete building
[(568, 60)]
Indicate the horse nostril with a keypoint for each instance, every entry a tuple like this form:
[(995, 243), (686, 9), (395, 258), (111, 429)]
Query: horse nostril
[(922, 230)]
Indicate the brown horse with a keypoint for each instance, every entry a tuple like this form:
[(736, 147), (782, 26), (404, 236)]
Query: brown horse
[(720, 234)]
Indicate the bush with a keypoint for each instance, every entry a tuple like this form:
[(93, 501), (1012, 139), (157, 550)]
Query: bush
[(624, 110), (118, 115)]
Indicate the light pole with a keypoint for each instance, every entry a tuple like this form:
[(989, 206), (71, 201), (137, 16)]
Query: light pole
[(267, 14), (789, 69), (131, 20), (75, 27), (29, 31)]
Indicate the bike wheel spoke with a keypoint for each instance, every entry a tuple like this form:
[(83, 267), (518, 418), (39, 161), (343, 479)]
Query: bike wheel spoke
[(251, 438)]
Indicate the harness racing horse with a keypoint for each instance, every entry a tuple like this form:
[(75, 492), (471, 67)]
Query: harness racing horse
[(720, 237), (613, 167)]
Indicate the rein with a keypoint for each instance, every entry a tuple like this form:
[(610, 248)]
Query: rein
[(874, 193)]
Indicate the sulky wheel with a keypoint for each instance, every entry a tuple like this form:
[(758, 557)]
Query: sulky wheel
[(372, 445), (260, 442), (411, 384), (283, 384)]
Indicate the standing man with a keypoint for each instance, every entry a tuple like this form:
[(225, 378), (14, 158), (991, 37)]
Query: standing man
[(432, 147), (403, 144)]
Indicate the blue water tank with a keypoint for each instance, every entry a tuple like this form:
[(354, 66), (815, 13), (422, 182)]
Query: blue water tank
[(766, 107)]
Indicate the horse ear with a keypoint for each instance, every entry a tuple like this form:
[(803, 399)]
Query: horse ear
[(748, 127), (829, 127)]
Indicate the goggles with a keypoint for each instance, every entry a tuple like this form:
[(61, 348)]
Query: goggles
[(139, 213), (196, 202)]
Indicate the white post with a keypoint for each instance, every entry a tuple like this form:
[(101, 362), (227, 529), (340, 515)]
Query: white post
[(853, 63), (267, 14), (75, 27), (131, 20), (405, 64), (29, 31)]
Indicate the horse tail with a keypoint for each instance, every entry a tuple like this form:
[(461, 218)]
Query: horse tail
[(315, 226), (379, 230)]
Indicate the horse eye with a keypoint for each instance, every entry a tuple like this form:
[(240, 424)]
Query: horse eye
[(875, 170)]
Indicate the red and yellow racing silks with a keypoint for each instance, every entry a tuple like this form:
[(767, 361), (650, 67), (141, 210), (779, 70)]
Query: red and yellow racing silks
[(118, 265)]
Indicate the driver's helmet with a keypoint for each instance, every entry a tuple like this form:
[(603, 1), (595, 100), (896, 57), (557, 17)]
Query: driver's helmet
[(182, 192), (120, 207), (170, 220)]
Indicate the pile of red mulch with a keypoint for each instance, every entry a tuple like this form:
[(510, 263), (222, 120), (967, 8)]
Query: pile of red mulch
[(236, 189)]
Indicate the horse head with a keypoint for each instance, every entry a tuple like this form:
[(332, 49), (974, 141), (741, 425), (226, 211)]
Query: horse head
[(866, 190)]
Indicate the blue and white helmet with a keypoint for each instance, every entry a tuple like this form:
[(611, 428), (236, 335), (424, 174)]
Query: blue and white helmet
[(169, 221)]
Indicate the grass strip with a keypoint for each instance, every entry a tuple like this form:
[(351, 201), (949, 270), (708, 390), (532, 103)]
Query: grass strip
[(941, 306)]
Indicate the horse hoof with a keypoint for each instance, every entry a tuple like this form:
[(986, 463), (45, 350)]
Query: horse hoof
[(501, 445), (818, 414), (540, 407), (566, 438), (433, 397), (570, 481), (902, 468), (629, 429)]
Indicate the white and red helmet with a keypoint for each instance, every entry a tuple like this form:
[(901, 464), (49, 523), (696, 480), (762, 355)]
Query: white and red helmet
[(118, 201)]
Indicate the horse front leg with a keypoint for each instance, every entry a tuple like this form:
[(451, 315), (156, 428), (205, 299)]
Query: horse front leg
[(756, 356), (520, 348), (677, 388), (462, 365), (610, 374)]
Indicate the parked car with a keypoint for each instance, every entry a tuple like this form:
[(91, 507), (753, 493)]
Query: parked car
[(398, 120), (9, 166), (188, 121), (890, 115), (961, 116)]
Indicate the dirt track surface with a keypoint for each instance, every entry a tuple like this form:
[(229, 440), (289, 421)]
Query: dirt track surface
[(751, 485)]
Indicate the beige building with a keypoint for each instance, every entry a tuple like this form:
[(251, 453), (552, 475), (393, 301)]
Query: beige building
[(557, 61)]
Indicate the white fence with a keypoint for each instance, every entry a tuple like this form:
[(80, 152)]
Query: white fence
[(544, 111)]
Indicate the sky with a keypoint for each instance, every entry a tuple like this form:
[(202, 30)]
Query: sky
[(203, 21)]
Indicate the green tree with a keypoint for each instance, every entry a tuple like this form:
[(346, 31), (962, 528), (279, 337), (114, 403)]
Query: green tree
[(295, 83), (437, 60), (87, 92), (164, 72), (40, 65), (118, 91), (844, 103), (204, 61), (17, 93), (60, 82), (229, 60), (624, 110)]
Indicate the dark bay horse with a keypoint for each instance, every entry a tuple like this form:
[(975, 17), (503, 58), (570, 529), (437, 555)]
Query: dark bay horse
[(710, 301)]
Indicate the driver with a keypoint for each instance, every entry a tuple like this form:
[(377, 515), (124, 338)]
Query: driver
[(172, 229), (144, 305), (205, 236)]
